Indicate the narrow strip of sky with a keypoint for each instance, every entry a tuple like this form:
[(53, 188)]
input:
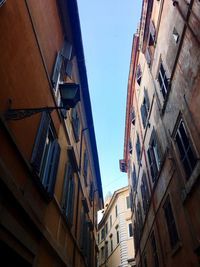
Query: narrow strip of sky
[(107, 31)]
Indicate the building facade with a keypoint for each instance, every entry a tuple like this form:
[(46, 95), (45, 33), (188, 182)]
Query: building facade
[(50, 184), (115, 232), (162, 144)]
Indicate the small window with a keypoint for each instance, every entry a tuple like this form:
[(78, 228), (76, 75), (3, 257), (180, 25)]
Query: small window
[(111, 244), (186, 153), (85, 167), (145, 108), (175, 35), (106, 249), (68, 194), (102, 234), (128, 202), (152, 33), (130, 147), (117, 234), (116, 211), (171, 224), (134, 178), (130, 228), (145, 193), (154, 156), (106, 228), (75, 124), (133, 116), (138, 74), (163, 81), (91, 193), (138, 149)]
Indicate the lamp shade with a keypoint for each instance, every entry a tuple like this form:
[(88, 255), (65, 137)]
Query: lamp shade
[(70, 94)]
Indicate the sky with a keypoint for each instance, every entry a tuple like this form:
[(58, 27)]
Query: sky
[(107, 31)]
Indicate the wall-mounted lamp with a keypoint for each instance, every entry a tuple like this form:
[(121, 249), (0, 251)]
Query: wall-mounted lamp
[(70, 95)]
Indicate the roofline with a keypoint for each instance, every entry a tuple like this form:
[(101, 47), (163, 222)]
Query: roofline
[(130, 90), (114, 196), (77, 38)]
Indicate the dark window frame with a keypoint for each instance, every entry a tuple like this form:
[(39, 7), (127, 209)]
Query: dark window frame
[(154, 156), (171, 223), (75, 124), (185, 148), (163, 81)]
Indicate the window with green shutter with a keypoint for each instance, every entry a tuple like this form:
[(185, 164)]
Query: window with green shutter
[(46, 153), (68, 194)]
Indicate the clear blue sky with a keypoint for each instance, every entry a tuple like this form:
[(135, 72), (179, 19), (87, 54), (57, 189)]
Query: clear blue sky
[(107, 31)]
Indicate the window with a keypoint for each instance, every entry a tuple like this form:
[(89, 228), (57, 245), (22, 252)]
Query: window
[(133, 116), (102, 253), (128, 205), (85, 167), (102, 234), (117, 234), (145, 108), (154, 156), (110, 221), (175, 35), (106, 228), (145, 193), (130, 228), (138, 74), (106, 249), (91, 192), (134, 178), (130, 147), (163, 81), (138, 148), (116, 211), (62, 69), (171, 225), (68, 193), (46, 153), (75, 124), (154, 251), (186, 153), (152, 33), (111, 244)]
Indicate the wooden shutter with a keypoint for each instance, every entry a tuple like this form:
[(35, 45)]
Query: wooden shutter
[(146, 99), (85, 166), (148, 56), (143, 115), (68, 68), (70, 198), (68, 171), (55, 155), (75, 124), (40, 140), (67, 50), (138, 148), (56, 70)]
